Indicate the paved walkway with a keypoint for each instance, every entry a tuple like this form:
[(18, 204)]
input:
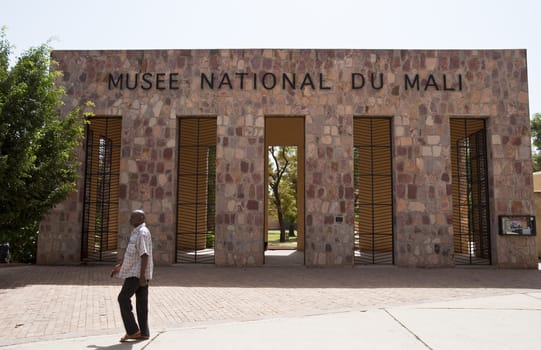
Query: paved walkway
[(208, 307)]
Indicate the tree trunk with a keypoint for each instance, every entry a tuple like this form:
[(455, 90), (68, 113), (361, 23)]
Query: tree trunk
[(283, 236), (278, 202), (291, 230)]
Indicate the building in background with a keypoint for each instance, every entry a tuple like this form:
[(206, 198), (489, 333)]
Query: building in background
[(537, 201)]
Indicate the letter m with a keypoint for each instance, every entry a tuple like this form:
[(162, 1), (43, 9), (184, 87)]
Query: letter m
[(411, 84), (117, 83)]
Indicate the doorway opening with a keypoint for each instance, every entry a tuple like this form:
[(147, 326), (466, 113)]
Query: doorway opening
[(101, 189), (471, 215), (284, 200)]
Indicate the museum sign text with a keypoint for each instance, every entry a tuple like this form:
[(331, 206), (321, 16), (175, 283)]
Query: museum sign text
[(283, 81)]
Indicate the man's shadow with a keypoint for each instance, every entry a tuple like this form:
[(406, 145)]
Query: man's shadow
[(120, 346)]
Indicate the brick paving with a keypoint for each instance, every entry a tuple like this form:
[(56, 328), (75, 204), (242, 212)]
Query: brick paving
[(47, 302)]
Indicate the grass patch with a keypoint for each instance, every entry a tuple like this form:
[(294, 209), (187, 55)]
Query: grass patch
[(274, 241)]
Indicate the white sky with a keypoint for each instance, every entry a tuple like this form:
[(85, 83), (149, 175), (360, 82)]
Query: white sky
[(354, 24)]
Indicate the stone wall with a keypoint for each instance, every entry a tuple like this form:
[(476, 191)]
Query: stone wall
[(419, 89)]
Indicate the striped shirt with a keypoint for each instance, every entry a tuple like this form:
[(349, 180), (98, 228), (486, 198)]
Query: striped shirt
[(140, 243)]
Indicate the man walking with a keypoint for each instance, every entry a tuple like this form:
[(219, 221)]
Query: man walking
[(136, 270)]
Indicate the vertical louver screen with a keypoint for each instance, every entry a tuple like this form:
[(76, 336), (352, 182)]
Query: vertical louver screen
[(101, 190), (373, 191), (470, 191), (196, 190)]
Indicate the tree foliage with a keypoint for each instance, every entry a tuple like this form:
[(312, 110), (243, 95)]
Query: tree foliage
[(38, 166), (283, 186), (535, 126)]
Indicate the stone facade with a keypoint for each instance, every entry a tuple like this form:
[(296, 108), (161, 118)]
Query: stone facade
[(419, 89)]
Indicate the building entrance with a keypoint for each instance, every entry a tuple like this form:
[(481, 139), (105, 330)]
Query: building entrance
[(284, 198)]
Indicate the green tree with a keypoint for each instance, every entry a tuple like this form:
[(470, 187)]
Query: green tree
[(38, 166), (535, 126), (283, 186)]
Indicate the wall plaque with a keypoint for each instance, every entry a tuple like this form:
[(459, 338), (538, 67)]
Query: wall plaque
[(521, 225)]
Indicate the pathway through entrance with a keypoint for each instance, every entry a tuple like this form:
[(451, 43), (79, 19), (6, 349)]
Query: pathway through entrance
[(284, 257)]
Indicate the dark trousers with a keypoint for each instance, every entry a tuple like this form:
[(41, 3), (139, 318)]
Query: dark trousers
[(129, 288)]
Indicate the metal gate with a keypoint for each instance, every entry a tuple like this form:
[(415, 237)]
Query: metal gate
[(373, 183), (471, 221), (196, 190), (101, 190)]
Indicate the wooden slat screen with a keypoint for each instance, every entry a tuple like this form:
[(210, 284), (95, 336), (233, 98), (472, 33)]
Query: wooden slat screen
[(196, 190), (102, 169), (373, 191), (471, 230)]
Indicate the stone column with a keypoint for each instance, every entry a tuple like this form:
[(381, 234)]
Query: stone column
[(240, 191), (423, 229), (329, 190)]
